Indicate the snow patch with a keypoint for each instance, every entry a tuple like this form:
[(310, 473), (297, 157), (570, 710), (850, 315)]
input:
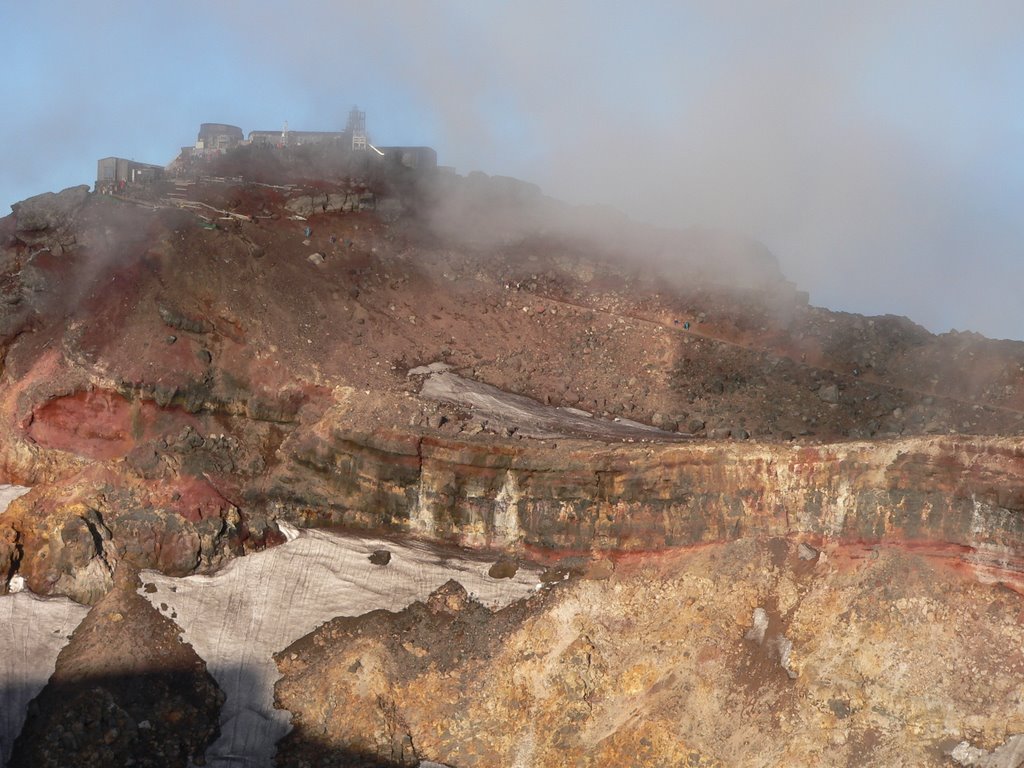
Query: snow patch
[(426, 370), (237, 618), (9, 493), (759, 625), (33, 630), (1009, 755)]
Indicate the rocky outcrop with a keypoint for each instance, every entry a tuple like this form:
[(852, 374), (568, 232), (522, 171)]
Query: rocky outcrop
[(735, 654), (126, 691), (47, 223), (69, 538), (173, 386), (324, 202), (962, 494), (50, 211)]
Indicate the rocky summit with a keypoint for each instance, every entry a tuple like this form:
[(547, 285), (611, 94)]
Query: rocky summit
[(761, 533)]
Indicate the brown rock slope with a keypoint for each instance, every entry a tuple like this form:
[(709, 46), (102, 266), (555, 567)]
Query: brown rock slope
[(186, 366), (176, 379), (753, 653)]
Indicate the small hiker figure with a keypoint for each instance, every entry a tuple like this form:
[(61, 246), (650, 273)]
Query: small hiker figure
[(686, 325), (309, 231)]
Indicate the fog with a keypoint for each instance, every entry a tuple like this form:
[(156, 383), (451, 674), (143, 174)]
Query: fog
[(875, 147)]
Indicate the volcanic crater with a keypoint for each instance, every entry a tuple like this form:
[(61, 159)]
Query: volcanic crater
[(763, 533)]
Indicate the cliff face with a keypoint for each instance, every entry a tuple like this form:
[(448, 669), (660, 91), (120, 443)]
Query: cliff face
[(964, 492), (960, 493)]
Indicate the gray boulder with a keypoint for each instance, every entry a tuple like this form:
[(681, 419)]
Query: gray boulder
[(49, 211), (829, 393)]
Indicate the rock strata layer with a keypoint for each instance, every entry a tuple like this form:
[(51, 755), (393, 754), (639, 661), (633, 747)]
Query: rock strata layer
[(963, 493)]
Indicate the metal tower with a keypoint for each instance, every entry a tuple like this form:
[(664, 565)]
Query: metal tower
[(357, 128)]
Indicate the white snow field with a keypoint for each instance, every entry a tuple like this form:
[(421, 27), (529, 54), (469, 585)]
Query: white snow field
[(237, 618)]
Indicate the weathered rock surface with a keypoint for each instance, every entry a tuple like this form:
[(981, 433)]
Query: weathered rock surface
[(958, 491), (49, 210), (289, 397), (871, 656), (307, 205), (70, 538), (241, 615)]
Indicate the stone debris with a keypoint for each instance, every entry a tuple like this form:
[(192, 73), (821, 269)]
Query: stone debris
[(380, 557), (1009, 755), (505, 568), (806, 552), (829, 393)]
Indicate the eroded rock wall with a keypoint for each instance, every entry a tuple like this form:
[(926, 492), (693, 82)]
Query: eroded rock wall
[(747, 653), (964, 491)]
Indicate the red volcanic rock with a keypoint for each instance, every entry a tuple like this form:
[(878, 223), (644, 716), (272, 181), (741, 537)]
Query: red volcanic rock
[(178, 379), (572, 495), (102, 424), (69, 537)]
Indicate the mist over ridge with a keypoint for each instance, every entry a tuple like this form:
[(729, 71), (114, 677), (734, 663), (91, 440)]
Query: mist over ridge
[(875, 151)]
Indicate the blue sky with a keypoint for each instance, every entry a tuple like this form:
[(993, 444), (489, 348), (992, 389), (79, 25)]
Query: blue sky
[(874, 147)]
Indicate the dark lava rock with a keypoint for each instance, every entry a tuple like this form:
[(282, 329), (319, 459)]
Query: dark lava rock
[(694, 425), (503, 569), (182, 322), (829, 393), (380, 557)]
